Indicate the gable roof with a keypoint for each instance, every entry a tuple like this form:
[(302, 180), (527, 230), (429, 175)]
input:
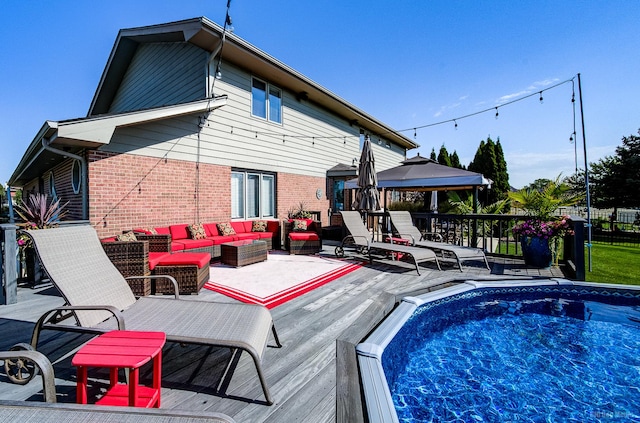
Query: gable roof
[(96, 129), (207, 35), (92, 132)]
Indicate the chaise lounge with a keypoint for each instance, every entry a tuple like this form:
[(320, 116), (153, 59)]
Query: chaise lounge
[(404, 228), (101, 300), (360, 238)]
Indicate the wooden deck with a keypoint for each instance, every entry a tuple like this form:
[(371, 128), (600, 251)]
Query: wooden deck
[(313, 377)]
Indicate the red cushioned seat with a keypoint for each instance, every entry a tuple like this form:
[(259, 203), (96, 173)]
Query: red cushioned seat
[(195, 243), (154, 258), (217, 240), (199, 259), (247, 235), (303, 236), (177, 246)]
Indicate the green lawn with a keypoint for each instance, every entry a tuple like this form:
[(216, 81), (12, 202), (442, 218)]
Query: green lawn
[(614, 264)]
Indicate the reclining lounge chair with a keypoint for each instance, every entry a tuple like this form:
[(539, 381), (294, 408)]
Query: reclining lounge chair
[(98, 296), (404, 228), (360, 238)]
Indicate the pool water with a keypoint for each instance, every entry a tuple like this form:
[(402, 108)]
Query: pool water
[(495, 356)]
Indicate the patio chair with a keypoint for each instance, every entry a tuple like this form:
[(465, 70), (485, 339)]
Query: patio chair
[(98, 297), (404, 228), (361, 239)]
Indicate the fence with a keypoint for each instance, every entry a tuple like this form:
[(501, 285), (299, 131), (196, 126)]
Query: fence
[(492, 232)]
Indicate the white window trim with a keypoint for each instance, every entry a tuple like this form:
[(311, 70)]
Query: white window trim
[(245, 174), (76, 189), (268, 86)]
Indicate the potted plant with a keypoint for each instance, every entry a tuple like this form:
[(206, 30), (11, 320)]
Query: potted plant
[(540, 233), (36, 213)]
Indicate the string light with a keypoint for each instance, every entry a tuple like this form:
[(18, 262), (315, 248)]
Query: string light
[(541, 99), (415, 133), (497, 114), (455, 125)]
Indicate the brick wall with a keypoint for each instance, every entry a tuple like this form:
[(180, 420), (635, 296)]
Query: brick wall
[(294, 189), (128, 191)]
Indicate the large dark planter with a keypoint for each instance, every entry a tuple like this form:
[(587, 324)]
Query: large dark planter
[(536, 252), (33, 267)]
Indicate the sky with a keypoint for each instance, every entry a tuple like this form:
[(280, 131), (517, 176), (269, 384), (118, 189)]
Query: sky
[(410, 64)]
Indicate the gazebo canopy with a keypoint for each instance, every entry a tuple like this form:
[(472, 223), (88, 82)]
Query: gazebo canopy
[(423, 174)]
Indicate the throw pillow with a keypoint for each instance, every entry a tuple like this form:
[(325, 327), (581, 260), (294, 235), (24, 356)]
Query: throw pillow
[(299, 225), (259, 226), (226, 229), (129, 236), (197, 231)]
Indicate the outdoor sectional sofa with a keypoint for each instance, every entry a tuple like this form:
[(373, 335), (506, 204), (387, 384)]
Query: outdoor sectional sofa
[(153, 254), (177, 238)]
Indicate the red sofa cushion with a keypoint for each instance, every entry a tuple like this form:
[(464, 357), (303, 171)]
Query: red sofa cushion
[(303, 236), (248, 235), (211, 229), (163, 231), (273, 225), (111, 239), (177, 246), (154, 258), (179, 232), (262, 235), (195, 243), (217, 240), (238, 227), (199, 259)]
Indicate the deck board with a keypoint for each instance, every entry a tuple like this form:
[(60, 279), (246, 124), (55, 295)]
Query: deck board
[(307, 377)]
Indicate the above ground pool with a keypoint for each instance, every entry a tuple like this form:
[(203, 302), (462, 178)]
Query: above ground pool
[(551, 350)]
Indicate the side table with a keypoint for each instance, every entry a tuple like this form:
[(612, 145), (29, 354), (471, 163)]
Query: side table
[(127, 350)]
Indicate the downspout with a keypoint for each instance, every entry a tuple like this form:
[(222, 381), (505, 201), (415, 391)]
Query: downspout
[(212, 57), (85, 174)]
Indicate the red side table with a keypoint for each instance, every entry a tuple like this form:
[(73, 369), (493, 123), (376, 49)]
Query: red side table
[(122, 349), (395, 240)]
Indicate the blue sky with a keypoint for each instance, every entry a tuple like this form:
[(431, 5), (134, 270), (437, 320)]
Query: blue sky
[(409, 64)]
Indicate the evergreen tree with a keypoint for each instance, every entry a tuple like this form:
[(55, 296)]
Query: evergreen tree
[(502, 176), (455, 160), (443, 156), (486, 161), (433, 155)]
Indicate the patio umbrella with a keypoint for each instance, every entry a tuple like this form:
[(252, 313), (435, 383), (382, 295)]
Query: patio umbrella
[(434, 202), (367, 196)]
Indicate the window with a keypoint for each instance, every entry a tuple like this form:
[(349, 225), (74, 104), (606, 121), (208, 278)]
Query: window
[(52, 187), (76, 176), (263, 105), (252, 195)]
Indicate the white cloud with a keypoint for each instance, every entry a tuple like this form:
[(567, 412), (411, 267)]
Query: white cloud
[(536, 86)]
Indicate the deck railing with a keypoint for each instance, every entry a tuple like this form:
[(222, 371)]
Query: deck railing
[(491, 232), (10, 266)]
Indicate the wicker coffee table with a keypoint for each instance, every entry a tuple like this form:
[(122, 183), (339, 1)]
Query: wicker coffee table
[(241, 253)]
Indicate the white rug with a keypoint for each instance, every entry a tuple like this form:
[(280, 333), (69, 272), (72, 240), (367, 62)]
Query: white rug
[(277, 280)]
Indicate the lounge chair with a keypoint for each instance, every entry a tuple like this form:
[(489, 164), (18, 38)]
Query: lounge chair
[(98, 296), (361, 239), (404, 228)]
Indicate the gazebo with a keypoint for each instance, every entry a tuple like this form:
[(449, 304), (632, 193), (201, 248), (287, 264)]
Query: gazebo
[(423, 174)]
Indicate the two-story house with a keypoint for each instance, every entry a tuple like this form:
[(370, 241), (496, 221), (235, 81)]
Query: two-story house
[(190, 123)]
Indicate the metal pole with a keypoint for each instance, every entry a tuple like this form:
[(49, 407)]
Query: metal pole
[(586, 176)]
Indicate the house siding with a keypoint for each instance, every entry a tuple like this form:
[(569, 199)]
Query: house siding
[(64, 190), (308, 142), (162, 74)]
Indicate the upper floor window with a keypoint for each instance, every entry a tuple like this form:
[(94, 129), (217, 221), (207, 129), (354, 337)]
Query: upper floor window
[(266, 101)]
